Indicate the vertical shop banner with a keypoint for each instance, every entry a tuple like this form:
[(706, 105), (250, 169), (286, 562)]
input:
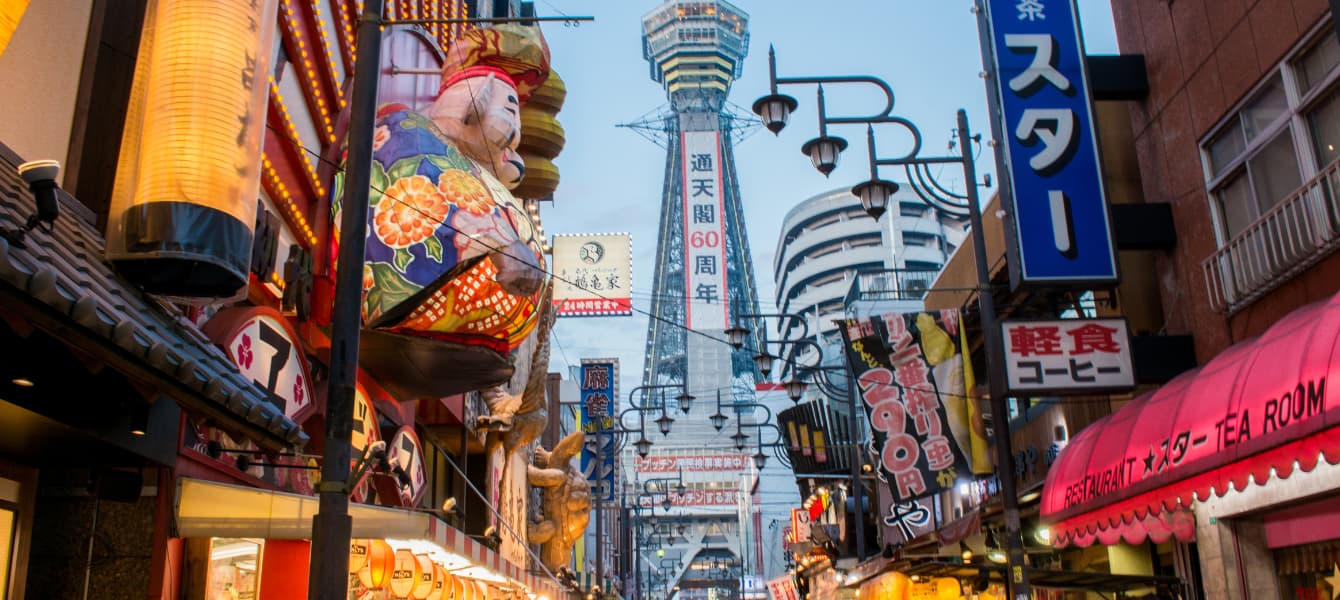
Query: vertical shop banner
[(1059, 218), (593, 275), (599, 394), (704, 232), (911, 378), (902, 522)]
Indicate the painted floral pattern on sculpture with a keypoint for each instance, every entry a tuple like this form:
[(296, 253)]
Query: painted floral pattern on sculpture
[(432, 214)]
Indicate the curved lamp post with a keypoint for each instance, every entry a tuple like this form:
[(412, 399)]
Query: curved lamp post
[(795, 388), (875, 194)]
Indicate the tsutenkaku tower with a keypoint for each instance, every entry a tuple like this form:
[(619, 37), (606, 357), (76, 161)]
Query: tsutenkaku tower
[(704, 274)]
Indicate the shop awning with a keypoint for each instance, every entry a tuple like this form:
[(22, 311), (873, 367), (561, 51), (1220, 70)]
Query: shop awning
[(210, 509), (1259, 408)]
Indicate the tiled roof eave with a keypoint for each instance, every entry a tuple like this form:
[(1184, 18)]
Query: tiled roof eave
[(62, 284)]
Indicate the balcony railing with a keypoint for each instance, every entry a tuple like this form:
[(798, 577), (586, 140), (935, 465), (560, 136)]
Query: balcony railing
[(890, 284), (1292, 236)]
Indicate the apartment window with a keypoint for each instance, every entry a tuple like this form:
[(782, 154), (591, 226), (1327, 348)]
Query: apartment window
[(925, 240), (1283, 135), (911, 209), (1272, 170)]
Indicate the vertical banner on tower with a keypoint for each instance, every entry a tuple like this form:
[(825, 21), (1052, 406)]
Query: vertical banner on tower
[(599, 393), (704, 232), (912, 380), (1059, 223)]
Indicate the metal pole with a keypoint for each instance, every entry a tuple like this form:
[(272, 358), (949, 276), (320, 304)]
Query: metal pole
[(332, 526), (1017, 579), (600, 512), (854, 456)]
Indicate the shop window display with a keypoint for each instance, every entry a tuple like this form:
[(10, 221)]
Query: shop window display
[(1309, 571), (234, 569)]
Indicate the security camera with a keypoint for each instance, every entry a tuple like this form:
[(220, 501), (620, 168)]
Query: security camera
[(40, 175)]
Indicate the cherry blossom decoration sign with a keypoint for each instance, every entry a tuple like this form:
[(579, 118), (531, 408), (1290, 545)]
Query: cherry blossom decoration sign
[(1067, 355)]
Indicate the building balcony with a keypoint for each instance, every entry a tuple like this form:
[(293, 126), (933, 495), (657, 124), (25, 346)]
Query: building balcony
[(890, 285), (808, 270), (1297, 233)]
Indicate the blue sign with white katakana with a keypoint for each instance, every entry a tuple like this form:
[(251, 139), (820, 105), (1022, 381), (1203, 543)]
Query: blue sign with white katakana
[(1061, 231)]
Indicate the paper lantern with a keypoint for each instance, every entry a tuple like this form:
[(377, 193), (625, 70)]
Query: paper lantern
[(381, 563), (423, 584), (183, 209), (458, 585), (441, 584), (358, 554), (406, 574)]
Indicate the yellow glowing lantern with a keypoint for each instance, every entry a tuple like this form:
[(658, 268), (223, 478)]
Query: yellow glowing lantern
[(358, 554), (423, 584), (891, 586), (441, 584), (458, 586), (406, 574), (183, 209), (381, 562)]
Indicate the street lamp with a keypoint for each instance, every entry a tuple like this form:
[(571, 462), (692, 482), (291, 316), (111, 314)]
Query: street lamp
[(875, 195), (685, 400), (664, 423), (795, 389), (763, 361), (760, 459), (737, 335)]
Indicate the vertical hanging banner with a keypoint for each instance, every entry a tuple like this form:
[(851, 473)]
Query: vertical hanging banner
[(912, 381), (183, 209), (593, 275), (1059, 224), (704, 232), (599, 395)]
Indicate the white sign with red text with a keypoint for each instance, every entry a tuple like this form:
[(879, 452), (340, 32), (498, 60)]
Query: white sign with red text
[(694, 497), (783, 588), (712, 462), (1080, 355)]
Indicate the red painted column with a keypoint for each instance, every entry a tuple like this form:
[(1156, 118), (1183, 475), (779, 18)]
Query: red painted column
[(284, 565)]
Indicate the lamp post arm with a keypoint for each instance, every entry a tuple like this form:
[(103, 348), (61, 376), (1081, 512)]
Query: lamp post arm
[(804, 325)]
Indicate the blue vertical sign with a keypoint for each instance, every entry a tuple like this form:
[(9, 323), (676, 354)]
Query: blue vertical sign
[(1060, 228), (599, 392)]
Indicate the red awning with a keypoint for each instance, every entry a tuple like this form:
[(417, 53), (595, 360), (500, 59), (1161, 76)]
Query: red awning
[(1259, 406)]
